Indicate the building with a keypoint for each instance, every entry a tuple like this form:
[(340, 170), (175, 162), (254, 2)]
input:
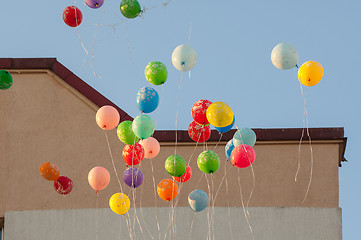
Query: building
[(49, 115)]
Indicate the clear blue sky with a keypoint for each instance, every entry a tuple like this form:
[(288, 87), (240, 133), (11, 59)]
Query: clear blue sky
[(233, 40)]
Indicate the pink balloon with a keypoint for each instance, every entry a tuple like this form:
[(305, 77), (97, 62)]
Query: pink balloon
[(107, 117), (243, 156), (151, 147), (98, 178)]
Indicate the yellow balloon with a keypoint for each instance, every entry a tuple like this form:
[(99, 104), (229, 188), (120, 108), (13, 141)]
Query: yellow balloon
[(310, 73), (219, 114), (119, 203)]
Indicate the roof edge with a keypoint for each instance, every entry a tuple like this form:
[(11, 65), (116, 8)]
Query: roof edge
[(66, 75)]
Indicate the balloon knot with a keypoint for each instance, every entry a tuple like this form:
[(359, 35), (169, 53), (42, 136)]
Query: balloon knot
[(296, 66), (183, 63), (96, 191)]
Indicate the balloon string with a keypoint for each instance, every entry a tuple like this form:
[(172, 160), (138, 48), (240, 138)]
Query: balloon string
[(190, 25), (92, 48), (309, 141), (127, 219), (142, 213), (190, 232), (208, 217), (97, 218), (176, 118), (228, 208), (155, 200), (218, 142), (136, 215), (169, 219), (244, 209), (251, 193), (224, 177), (212, 181), (302, 135), (116, 174)]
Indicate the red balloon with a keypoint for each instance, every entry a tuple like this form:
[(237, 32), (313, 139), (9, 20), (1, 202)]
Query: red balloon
[(133, 154), (243, 156), (63, 185), (186, 176), (72, 16), (199, 110), (199, 133)]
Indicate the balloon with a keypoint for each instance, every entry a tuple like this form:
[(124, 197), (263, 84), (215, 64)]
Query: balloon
[(49, 171), (219, 114), (94, 3), (208, 161), (107, 117), (186, 176), (310, 73), (130, 8), (243, 156), (133, 177), (143, 126), (6, 80), (119, 203), (156, 73), (229, 148), (63, 185), (125, 133), (175, 165), (284, 56), (147, 99), (184, 58), (151, 147), (167, 189), (227, 128), (244, 136), (199, 133), (199, 110), (98, 178), (198, 200), (133, 154), (72, 16)]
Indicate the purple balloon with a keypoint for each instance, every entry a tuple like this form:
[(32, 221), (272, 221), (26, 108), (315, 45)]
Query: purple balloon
[(94, 3), (133, 177)]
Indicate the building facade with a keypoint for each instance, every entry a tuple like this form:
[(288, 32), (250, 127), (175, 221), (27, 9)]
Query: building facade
[(49, 115)]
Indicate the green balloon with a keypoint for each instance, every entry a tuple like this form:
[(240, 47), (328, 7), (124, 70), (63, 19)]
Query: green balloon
[(208, 162), (143, 126), (130, 8), (6, 80), (156, 73), (125, 133), (175, 165)]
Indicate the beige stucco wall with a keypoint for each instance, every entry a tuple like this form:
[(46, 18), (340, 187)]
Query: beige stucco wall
[(43, 119)]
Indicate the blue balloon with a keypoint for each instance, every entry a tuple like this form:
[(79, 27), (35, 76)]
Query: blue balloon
[(147, 99), (244, 136), (198, 200), (226, 128), (229, 148)]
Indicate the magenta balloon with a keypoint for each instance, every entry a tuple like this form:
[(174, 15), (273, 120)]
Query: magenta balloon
[(133, 177), (243, 156), (151, 147), (94, 3), (98, 178)]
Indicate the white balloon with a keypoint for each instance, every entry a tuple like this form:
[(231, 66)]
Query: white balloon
[(184, 58), (284, 56)]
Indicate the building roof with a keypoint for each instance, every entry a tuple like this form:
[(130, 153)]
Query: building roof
[(288, 134)]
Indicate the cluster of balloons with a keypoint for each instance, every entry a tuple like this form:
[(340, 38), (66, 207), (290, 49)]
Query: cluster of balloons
[(73, 17), (6, 80), (240, 148), (50, 172), (284, 56)]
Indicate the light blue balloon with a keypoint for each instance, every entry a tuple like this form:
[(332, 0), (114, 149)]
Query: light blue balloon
[(244, 136), (147, 99), (143, 126), (229, 148), (226, 128), (284, 56), (198, 200)]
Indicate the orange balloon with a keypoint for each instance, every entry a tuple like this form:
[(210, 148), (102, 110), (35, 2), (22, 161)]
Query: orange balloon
[(167, 189), (107, 117), (49, 171)]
